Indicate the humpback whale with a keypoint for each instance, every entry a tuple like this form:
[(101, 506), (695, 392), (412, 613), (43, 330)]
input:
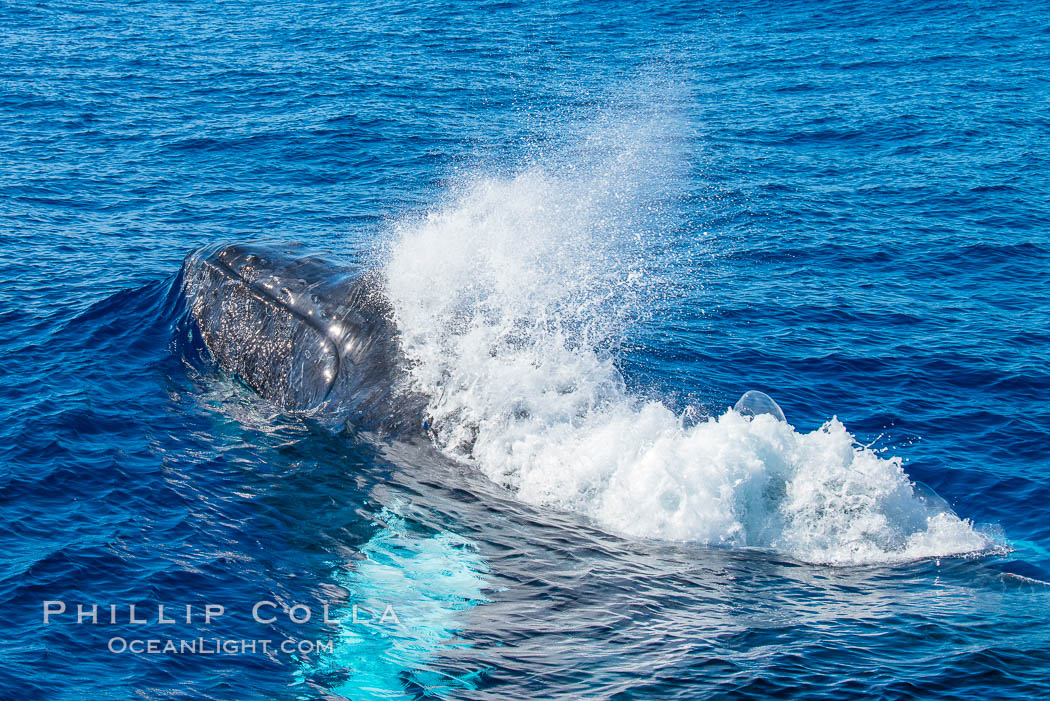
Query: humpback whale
[(311, 335), (317, 337)]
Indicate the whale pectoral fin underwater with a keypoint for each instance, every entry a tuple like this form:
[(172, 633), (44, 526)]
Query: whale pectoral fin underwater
[(309, 334)]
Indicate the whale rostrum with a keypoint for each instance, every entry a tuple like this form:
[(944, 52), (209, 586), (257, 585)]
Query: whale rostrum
[(307, 333)]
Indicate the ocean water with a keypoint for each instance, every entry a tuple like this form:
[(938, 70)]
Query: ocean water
[(597, 225)]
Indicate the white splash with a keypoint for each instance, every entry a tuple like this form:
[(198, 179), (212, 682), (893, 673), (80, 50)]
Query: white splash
[(508, 299)]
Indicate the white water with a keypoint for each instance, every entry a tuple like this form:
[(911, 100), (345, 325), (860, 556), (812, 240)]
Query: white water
[(508, 297)]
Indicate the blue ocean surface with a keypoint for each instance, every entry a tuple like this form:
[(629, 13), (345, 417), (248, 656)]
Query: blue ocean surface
[(597, 226)]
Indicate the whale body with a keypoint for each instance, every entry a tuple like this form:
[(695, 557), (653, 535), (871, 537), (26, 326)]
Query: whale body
[(309, 334)]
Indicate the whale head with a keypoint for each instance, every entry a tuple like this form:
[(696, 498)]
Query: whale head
[(308, 333)]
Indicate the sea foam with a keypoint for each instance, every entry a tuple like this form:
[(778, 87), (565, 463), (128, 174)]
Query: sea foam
[(510, 296)]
